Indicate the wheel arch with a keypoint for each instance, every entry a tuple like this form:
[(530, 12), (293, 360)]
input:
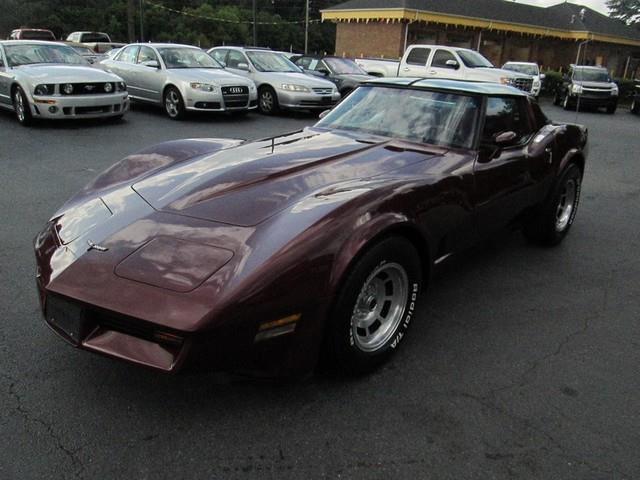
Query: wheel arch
[(365, 238)]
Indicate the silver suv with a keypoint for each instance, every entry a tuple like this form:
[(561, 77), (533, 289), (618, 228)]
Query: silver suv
[(281, 84)]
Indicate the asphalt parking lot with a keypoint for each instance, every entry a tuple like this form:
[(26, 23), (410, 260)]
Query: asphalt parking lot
[(524, 362)]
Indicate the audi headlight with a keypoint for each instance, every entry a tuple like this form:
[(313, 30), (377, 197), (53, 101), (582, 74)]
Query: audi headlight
[(67, 88), (205, 87), (577, 89), (108, 88), (43, 89), (294, 88), (121, 86), (615, 90)]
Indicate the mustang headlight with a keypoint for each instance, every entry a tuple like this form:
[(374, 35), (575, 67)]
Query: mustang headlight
[(575, 88), (294, 88), (43, 89), (108, 88), (615, 90), (67, 88), (205, 87)]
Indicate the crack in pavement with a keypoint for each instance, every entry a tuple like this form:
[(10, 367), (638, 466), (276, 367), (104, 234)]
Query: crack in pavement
[(78, 466)]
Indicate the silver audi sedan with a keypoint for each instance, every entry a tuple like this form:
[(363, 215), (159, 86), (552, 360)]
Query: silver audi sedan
[(51, 80), (181, 78), (281, 84)]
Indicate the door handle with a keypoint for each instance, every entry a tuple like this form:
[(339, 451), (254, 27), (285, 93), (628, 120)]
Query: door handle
[(432, 72), (406, 69)]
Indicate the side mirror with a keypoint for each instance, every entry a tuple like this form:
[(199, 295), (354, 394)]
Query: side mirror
[(323, 114), (151, 64), (542, 75), (505, 138), (243, 66), (323, 72), (452, 64)]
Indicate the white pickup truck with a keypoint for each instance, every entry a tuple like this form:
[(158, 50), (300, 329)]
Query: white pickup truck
[(437, 61)]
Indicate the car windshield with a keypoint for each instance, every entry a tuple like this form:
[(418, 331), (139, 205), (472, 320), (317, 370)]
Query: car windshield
[(29, 54), (473, 59), (271, 62), (177, 57), (37, 35), (344, 66), (591, 75), (521, 68), (437, 118)]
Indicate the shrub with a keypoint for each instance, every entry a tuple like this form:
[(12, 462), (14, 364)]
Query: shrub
[(551, 82)]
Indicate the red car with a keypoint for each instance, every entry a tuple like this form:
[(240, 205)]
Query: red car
[(268, 255)]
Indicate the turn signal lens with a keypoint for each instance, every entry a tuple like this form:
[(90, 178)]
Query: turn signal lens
[(277, 328)]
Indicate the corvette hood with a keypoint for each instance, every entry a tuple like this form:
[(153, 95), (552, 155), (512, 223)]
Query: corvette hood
[(249, 183)]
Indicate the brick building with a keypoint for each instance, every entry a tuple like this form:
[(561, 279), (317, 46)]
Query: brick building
[(500, 30)]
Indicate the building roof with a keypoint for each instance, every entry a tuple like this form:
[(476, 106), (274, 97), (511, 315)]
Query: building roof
[(563, 19), (481, 88)]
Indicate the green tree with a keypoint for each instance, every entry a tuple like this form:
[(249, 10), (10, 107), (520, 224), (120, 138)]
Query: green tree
[(625, 10)]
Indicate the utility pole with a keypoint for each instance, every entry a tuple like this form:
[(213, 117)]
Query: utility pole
[(142, 20), (255, 35), (306, 29), (131, 21)]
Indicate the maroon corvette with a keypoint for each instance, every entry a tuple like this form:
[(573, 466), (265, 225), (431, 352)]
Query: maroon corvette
[(272, 254)]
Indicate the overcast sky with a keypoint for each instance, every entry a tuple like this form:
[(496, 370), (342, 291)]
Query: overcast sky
[(598, 5)]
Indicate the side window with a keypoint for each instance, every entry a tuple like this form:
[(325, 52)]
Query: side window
[(146, 55), (220, 55), (538, 115), (441, 57), (505, 114), (235, 58), (321, 66), (128, 55), (418, 56), (303, 62)]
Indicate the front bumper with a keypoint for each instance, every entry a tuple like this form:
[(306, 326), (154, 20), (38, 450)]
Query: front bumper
[(306, 100), (198, 100), (80, 106), (594, 100)]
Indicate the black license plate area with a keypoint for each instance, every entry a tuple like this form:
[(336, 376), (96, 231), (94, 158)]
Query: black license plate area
[(325, 100), (66, 317)]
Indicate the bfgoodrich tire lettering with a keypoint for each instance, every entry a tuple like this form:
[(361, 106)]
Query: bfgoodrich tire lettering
[(375, 306)]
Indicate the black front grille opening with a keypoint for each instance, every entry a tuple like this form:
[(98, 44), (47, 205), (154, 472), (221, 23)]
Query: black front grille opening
[(92, 110), (67, 110), (116, 108), (89, 89), (208, 105)]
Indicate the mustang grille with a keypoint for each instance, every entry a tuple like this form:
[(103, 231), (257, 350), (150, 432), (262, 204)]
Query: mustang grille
[(235, 96), (89, 89)]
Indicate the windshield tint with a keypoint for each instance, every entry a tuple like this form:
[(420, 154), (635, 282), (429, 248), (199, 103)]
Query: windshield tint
[(438, 118), (30, 54), (271, 62), (344, 66), (473, 59), (591, 75), (526, 69), (95, 37), (177, 57)]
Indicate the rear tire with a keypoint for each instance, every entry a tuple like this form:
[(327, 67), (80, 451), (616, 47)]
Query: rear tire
[(566, 103), (554, 219), (21, 107), (374, 307), (556, 98)]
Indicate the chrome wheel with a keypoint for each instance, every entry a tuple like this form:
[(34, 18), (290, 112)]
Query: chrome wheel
[(172, 103), (379, 307), (566, 204), (18, 102)]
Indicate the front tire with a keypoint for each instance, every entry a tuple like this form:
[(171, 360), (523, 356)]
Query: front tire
[(566, 103), (21, 107), (374, 307), (554, 219), (635, 107), (173, 104), (268, 101)]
